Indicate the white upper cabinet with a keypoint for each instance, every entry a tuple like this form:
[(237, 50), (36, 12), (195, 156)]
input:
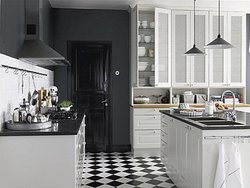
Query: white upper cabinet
[(162, 47), (227, 66), (237, 55), (189, 71)]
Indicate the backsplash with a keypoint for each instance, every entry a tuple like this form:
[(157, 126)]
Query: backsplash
[(12, 91)]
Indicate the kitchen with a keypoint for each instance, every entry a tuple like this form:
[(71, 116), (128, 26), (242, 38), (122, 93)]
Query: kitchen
[(116, 30)]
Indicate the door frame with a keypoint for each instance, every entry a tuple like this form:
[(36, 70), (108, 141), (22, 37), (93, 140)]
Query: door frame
[(109, 117)]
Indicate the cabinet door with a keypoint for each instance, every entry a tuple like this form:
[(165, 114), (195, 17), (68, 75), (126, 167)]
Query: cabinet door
[(237, 55), (180, 44), (162, 47), (199, 64), (134, 47), (218, 57), (185, 154)]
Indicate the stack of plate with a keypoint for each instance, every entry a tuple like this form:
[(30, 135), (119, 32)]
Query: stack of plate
[(142, 82), (152, 80)]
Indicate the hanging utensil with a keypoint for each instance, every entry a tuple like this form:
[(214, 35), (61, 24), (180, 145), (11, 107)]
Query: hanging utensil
[(35, 94)]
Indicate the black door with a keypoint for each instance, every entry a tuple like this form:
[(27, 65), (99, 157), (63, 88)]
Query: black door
[(90, 90)]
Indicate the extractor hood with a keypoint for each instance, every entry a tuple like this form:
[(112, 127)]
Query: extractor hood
[(34, 50)]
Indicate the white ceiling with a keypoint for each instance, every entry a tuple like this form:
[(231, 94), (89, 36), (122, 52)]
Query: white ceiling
[(237, 5)]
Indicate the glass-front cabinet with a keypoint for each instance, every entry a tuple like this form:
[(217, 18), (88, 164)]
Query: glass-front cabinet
[(189, 71), (227, 66), (151, 47)]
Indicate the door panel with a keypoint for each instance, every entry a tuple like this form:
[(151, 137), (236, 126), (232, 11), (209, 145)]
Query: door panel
[(90, 62)]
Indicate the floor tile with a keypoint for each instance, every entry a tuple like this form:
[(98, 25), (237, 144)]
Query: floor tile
[(122, 170)]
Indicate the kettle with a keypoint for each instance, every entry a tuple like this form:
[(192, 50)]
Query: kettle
[(19, 114)]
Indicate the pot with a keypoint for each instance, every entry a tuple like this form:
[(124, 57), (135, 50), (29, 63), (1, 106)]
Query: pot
[(141, 99)]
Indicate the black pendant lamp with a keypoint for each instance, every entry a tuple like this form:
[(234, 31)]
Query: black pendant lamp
[(219, 43), (194, 51)]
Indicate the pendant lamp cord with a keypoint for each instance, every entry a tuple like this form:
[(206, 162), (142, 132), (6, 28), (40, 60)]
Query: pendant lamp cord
[(219, 18), (194, 22)]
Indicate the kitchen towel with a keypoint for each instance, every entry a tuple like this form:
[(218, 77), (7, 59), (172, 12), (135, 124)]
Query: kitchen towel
[(234, 178), (222, 168)]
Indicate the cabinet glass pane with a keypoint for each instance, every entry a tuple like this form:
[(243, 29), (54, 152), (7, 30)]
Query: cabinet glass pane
[(163, 48), (180, 47), (236, 53), (218, 55), (199, 61)]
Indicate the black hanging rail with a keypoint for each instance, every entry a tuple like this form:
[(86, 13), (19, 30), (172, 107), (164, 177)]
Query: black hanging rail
[(24, 71)]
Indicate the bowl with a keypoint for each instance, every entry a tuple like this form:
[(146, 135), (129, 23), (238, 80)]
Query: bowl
[(143, 66), (141, 99), (147, 39), (142, 51), (152, 25)]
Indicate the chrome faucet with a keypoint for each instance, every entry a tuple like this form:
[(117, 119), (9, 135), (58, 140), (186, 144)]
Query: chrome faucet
[(230, 115)]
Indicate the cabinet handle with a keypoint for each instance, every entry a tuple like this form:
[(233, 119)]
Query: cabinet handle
[(154, 117), (155, 132), (171, 120), (154, 109), (162, 156), (163, 135), (163, 125), (163, 144)]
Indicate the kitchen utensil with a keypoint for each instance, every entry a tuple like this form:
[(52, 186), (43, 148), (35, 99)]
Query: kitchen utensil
[(209, 107), (157, 98), (184, 105), (141, 99), (152, 25), (35, 94), (142, 51), (147, 39), (16, 115), (144, 24), (143, 66)]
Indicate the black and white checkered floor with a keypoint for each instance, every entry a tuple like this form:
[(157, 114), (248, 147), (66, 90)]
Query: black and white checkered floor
[(122, 170)]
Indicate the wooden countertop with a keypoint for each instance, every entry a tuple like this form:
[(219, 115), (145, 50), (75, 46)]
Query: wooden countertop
[(175, 105)]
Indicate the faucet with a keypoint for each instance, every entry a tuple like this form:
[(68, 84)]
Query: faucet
[(230, 115)]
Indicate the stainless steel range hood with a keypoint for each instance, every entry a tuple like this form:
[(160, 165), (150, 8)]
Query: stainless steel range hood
[(34, 50)]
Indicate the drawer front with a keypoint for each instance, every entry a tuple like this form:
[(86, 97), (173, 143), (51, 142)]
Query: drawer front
[(164, 127), (146, 111), (164, 147), (166, 119), (164, 137), (147, 122), (147, 139), (164, 159)]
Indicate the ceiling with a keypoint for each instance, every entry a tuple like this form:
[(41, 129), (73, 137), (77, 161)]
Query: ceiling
[(237, 5)]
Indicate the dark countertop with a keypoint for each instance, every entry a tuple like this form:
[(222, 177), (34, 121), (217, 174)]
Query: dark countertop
[(242, 117), (63, 127)]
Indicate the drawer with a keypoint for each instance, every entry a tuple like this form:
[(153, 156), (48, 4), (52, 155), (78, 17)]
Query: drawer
[(164, 127), (147, 122), (164, 137), (164, 147), (147, 139), (166, 119), (146, 111), (164, 159)]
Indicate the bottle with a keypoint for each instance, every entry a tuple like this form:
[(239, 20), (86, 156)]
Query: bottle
[(49, 103), (43, 102)]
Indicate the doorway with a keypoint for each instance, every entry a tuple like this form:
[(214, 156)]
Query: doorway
[(89, 88)]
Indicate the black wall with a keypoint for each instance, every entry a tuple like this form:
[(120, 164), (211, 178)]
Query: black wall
[(99, 25), (248, 60)]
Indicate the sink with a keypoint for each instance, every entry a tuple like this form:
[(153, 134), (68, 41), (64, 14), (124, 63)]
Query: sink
[(218, 123), (205, 118)]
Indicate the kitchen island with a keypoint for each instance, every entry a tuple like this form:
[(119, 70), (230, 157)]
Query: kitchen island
[(48, 158), (189, 148)]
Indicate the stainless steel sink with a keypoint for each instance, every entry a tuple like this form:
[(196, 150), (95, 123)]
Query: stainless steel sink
[(221, 122), (205, 118)]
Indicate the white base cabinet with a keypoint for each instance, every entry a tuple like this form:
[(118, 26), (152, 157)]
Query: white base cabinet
[(42, 161), (191, 160), (145, 131)]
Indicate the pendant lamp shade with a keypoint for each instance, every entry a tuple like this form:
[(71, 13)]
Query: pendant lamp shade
[(219, 43), (194, 51)]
